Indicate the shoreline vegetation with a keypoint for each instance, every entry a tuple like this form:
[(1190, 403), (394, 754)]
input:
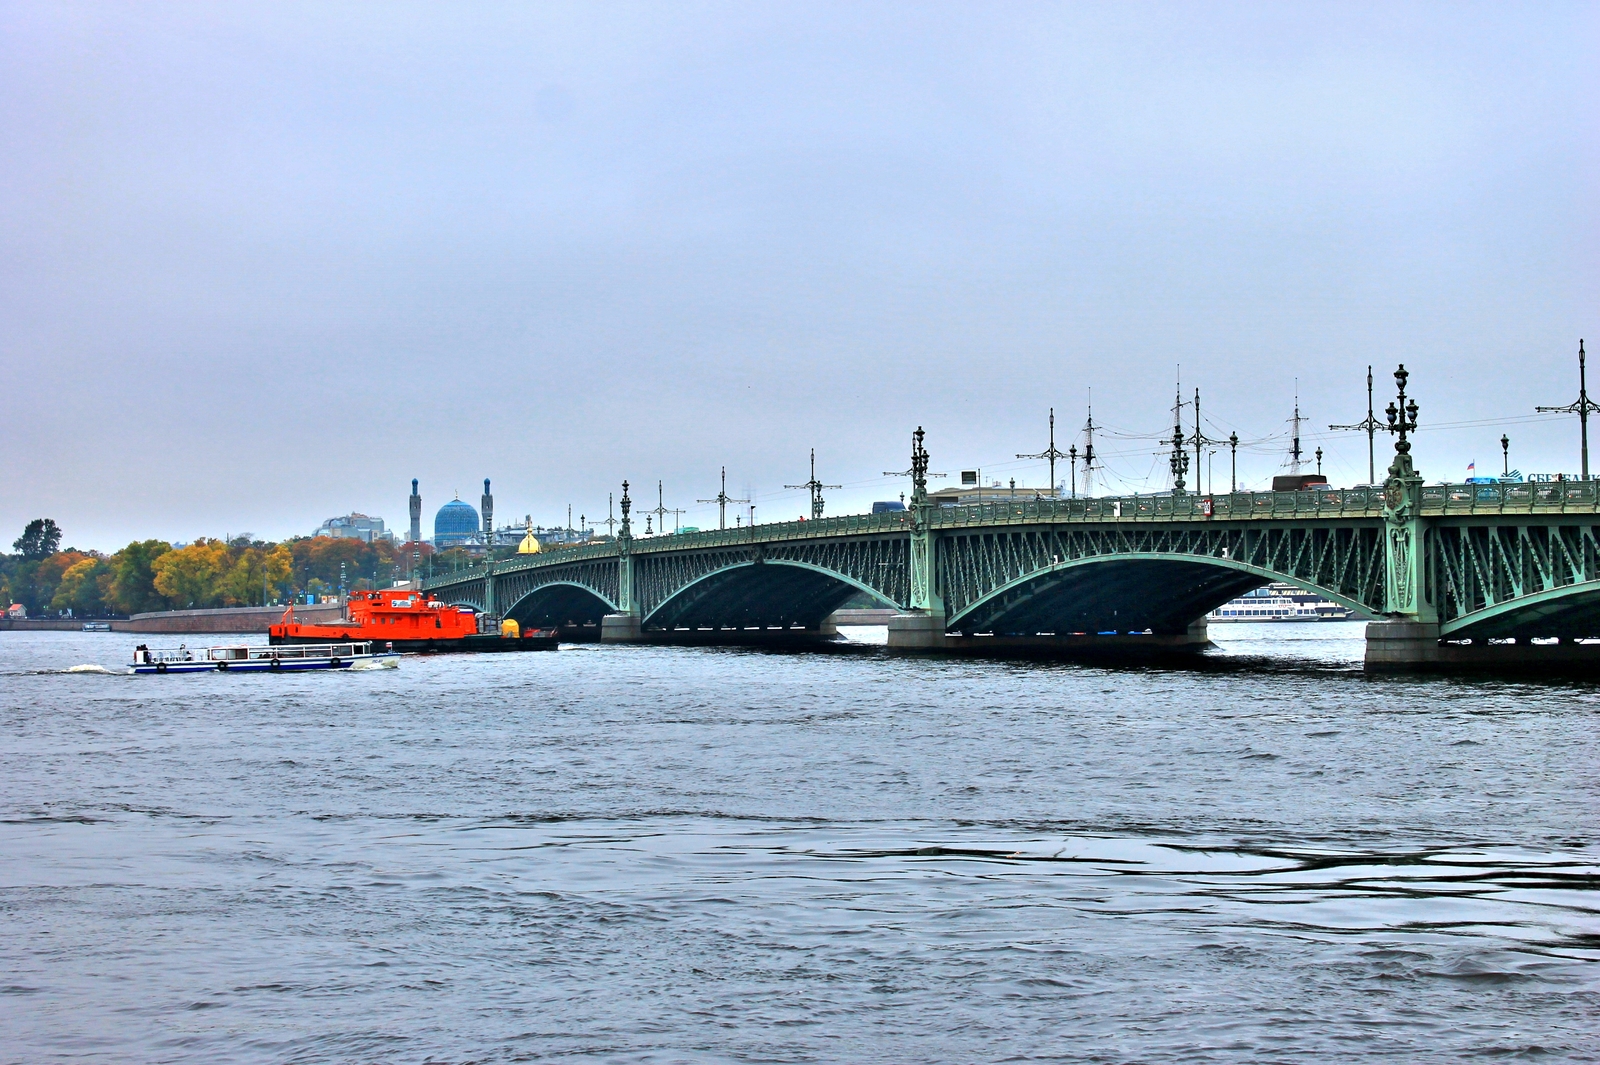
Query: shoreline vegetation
[(152, 575)]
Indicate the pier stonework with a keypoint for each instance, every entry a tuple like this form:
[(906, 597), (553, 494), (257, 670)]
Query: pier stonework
[(1448, 575)]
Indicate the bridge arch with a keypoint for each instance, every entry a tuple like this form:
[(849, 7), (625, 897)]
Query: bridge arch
[(558, 604), (1164, 592), (1571, 610), (762, 592)]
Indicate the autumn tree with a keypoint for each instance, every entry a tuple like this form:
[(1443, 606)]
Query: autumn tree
[(187, 576), (82, 588)]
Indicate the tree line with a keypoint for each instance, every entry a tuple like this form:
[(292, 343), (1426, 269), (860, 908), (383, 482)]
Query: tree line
[(154, 575)]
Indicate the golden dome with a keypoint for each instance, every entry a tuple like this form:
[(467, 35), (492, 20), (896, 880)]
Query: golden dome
[(529, 545)]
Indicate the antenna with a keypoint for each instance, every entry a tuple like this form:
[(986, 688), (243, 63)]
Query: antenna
[(1088, 448), (1200, 440), (611, 521), (816, 488), (722, 499), (1370, 426), (1294, 443), (1050, 453), (1583, 408)]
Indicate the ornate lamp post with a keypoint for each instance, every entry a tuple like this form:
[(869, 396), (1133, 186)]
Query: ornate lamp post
[(1407, 592), (1505, 455), (1402, 420), (1233, 473), (1179, 461)]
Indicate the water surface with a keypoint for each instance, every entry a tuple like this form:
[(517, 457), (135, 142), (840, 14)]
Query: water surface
[(652, 854)]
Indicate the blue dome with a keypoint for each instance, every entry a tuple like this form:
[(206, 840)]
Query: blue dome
[(455, 523)]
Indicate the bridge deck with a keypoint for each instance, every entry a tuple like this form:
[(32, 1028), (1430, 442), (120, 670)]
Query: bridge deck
[(1464, 500)]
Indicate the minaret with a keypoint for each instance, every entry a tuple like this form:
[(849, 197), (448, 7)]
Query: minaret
[(416, 513), (488, 515)]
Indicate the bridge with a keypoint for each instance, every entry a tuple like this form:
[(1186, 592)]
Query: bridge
[(1448, 574)]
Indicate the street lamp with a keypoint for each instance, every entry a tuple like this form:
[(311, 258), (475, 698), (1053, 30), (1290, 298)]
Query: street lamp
[(1402, 415)]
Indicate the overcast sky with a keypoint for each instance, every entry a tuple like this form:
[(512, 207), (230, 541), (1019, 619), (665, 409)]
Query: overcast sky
[(263, 264)]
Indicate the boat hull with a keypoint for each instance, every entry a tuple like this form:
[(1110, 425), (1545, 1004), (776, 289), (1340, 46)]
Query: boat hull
[(476, 642), (301, 665)]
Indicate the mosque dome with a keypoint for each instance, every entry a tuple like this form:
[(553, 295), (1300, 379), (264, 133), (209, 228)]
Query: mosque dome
[(456, 523), (529, 545)]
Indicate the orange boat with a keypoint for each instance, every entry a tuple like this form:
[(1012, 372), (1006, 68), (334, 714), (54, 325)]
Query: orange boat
[(407, 620)]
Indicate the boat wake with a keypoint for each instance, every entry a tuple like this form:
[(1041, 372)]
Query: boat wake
[(90, 669), (362, 665)]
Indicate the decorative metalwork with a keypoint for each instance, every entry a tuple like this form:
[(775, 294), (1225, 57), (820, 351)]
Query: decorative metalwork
[(985, 572), (1501, 580)]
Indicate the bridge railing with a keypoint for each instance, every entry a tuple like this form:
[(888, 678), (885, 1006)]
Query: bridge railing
[(1335, 502), (1527, 497)]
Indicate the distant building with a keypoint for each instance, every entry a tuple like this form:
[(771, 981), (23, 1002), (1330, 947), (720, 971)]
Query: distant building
[(967, 493), (456, 525), (16, 610), (355, 527)]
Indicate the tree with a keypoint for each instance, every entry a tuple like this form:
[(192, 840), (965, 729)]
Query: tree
[(133, 584), (81, 588), (40, 539), (188, 577), (277, 564), (33, 583)]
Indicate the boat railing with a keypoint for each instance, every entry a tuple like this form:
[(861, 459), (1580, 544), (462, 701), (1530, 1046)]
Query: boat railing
[(248, 653)]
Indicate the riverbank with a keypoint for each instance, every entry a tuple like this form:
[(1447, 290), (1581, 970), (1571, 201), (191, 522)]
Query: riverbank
[(239, 619)]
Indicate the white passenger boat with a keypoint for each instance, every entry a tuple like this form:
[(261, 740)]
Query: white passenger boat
[(257, 659)]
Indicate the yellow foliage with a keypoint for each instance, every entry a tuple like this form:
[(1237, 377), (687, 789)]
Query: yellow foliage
[(188, 576), (70, 590)]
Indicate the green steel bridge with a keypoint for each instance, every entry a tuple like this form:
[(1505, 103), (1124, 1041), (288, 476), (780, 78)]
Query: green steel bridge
[(1452, 573)]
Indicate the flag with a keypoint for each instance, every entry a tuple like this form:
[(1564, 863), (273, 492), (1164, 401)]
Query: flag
[(1472, 467)]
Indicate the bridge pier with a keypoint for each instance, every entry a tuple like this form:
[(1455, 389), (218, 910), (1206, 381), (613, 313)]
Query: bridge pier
[(620, 628), (919, 630), (1401, 644)]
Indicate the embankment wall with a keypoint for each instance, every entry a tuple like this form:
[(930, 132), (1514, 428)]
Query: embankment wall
[(242, 619)]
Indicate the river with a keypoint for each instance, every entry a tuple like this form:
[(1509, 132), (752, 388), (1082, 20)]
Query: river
[(634, 854)]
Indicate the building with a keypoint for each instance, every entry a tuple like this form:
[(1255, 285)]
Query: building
[(355, 526), (971, 492), (456, 525)]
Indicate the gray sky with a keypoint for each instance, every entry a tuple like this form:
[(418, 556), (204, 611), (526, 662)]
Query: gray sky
[(263, 264)]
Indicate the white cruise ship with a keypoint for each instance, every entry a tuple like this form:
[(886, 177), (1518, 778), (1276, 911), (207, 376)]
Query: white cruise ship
[(1280, 602)]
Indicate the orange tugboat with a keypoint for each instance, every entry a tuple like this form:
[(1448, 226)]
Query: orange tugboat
[(408, 620)]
